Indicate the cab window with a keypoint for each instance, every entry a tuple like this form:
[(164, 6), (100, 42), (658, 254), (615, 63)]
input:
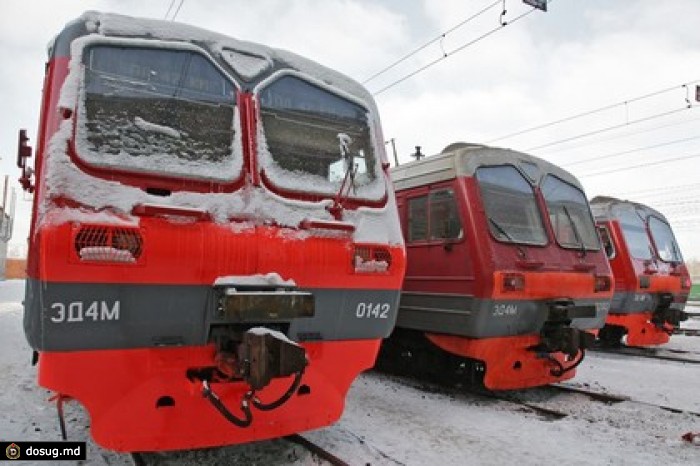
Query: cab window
[(511, 208)]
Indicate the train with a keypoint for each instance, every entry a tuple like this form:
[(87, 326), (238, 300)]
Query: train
[(507, 282), (215, 251), (652, 282)]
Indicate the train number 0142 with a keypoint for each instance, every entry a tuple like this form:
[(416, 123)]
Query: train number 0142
[(372, 310)]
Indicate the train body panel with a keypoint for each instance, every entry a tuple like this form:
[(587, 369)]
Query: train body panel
[(140, 400), (652, 283), (502, 253), (215, 252)]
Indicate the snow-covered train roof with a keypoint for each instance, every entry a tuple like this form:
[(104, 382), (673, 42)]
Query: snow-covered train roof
[(603, 207), (462, 159), (250, 63)]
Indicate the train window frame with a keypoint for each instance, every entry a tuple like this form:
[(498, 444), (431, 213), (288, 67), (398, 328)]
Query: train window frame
[(604, 230), (654, 241), (452, 214), (426, 215), (494, 226), (373, 192), (582, 213), (226, 171), (410, 202), (639, 231)]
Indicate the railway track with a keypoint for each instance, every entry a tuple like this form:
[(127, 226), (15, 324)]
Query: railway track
[(597, 396), (694, 332), (316, 450), (650, 353), (542, 411), (141, 459), (613, 398)]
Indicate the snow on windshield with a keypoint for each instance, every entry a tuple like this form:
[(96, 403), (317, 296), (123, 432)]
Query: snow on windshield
[(312, 140), (246, 64), (252, 205), (161, 111)]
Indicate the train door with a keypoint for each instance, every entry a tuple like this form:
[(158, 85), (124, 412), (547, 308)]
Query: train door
[(435, 237)]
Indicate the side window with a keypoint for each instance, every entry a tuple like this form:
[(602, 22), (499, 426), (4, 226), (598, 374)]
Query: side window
[(418, 219), (607, 241), (444, 218), (433, 217)]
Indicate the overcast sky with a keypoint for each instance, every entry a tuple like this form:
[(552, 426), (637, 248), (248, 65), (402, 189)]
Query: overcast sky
[(581, 55)]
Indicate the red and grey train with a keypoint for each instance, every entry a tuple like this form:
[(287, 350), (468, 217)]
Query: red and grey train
[(215, 252), (652, 283), (506, 274)]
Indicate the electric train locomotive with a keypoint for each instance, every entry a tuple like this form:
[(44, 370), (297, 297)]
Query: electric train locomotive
[(651, 283), (506, 281), (215, 252)]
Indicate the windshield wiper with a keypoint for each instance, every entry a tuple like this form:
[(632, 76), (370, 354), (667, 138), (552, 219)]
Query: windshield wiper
[(576, 234), (500, 228), (344, 142)]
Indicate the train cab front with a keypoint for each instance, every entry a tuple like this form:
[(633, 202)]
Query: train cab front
[(518, 295), (215, 251), (652, 282), (519, 340), (550, 287)]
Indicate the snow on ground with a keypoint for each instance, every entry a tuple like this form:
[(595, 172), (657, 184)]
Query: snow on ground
[(393, 421)]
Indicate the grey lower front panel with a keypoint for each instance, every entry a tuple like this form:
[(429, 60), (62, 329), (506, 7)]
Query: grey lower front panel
[(76, 316), (481, 318), (629, 302)]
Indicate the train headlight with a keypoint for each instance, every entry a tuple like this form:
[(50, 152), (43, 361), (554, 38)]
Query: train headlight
[(644, 281), (602, 283), (686, 283), (513, 282)]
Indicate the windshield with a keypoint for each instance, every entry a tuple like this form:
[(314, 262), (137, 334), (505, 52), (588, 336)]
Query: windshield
[(569, 214), (161, 111), (635, 233), (313, 140), (510, 205), (664, 240)]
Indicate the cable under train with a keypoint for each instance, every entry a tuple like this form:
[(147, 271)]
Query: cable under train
[(215, 252), (651, 283), (506, 283)]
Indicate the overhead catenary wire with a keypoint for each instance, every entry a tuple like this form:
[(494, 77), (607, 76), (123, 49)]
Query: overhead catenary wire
[(172, 2), (629, 151), (596, 110), (661, 190), (431, 42), (648, 164), (626, 135), (608, 128), (458, 49), (177, 10)]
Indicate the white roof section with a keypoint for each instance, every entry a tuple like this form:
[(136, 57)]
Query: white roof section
[(252, 62), (605, 208), (462, 160)]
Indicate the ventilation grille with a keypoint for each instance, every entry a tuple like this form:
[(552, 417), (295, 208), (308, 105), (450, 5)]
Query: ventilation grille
[(108, 244), (371, 259)]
